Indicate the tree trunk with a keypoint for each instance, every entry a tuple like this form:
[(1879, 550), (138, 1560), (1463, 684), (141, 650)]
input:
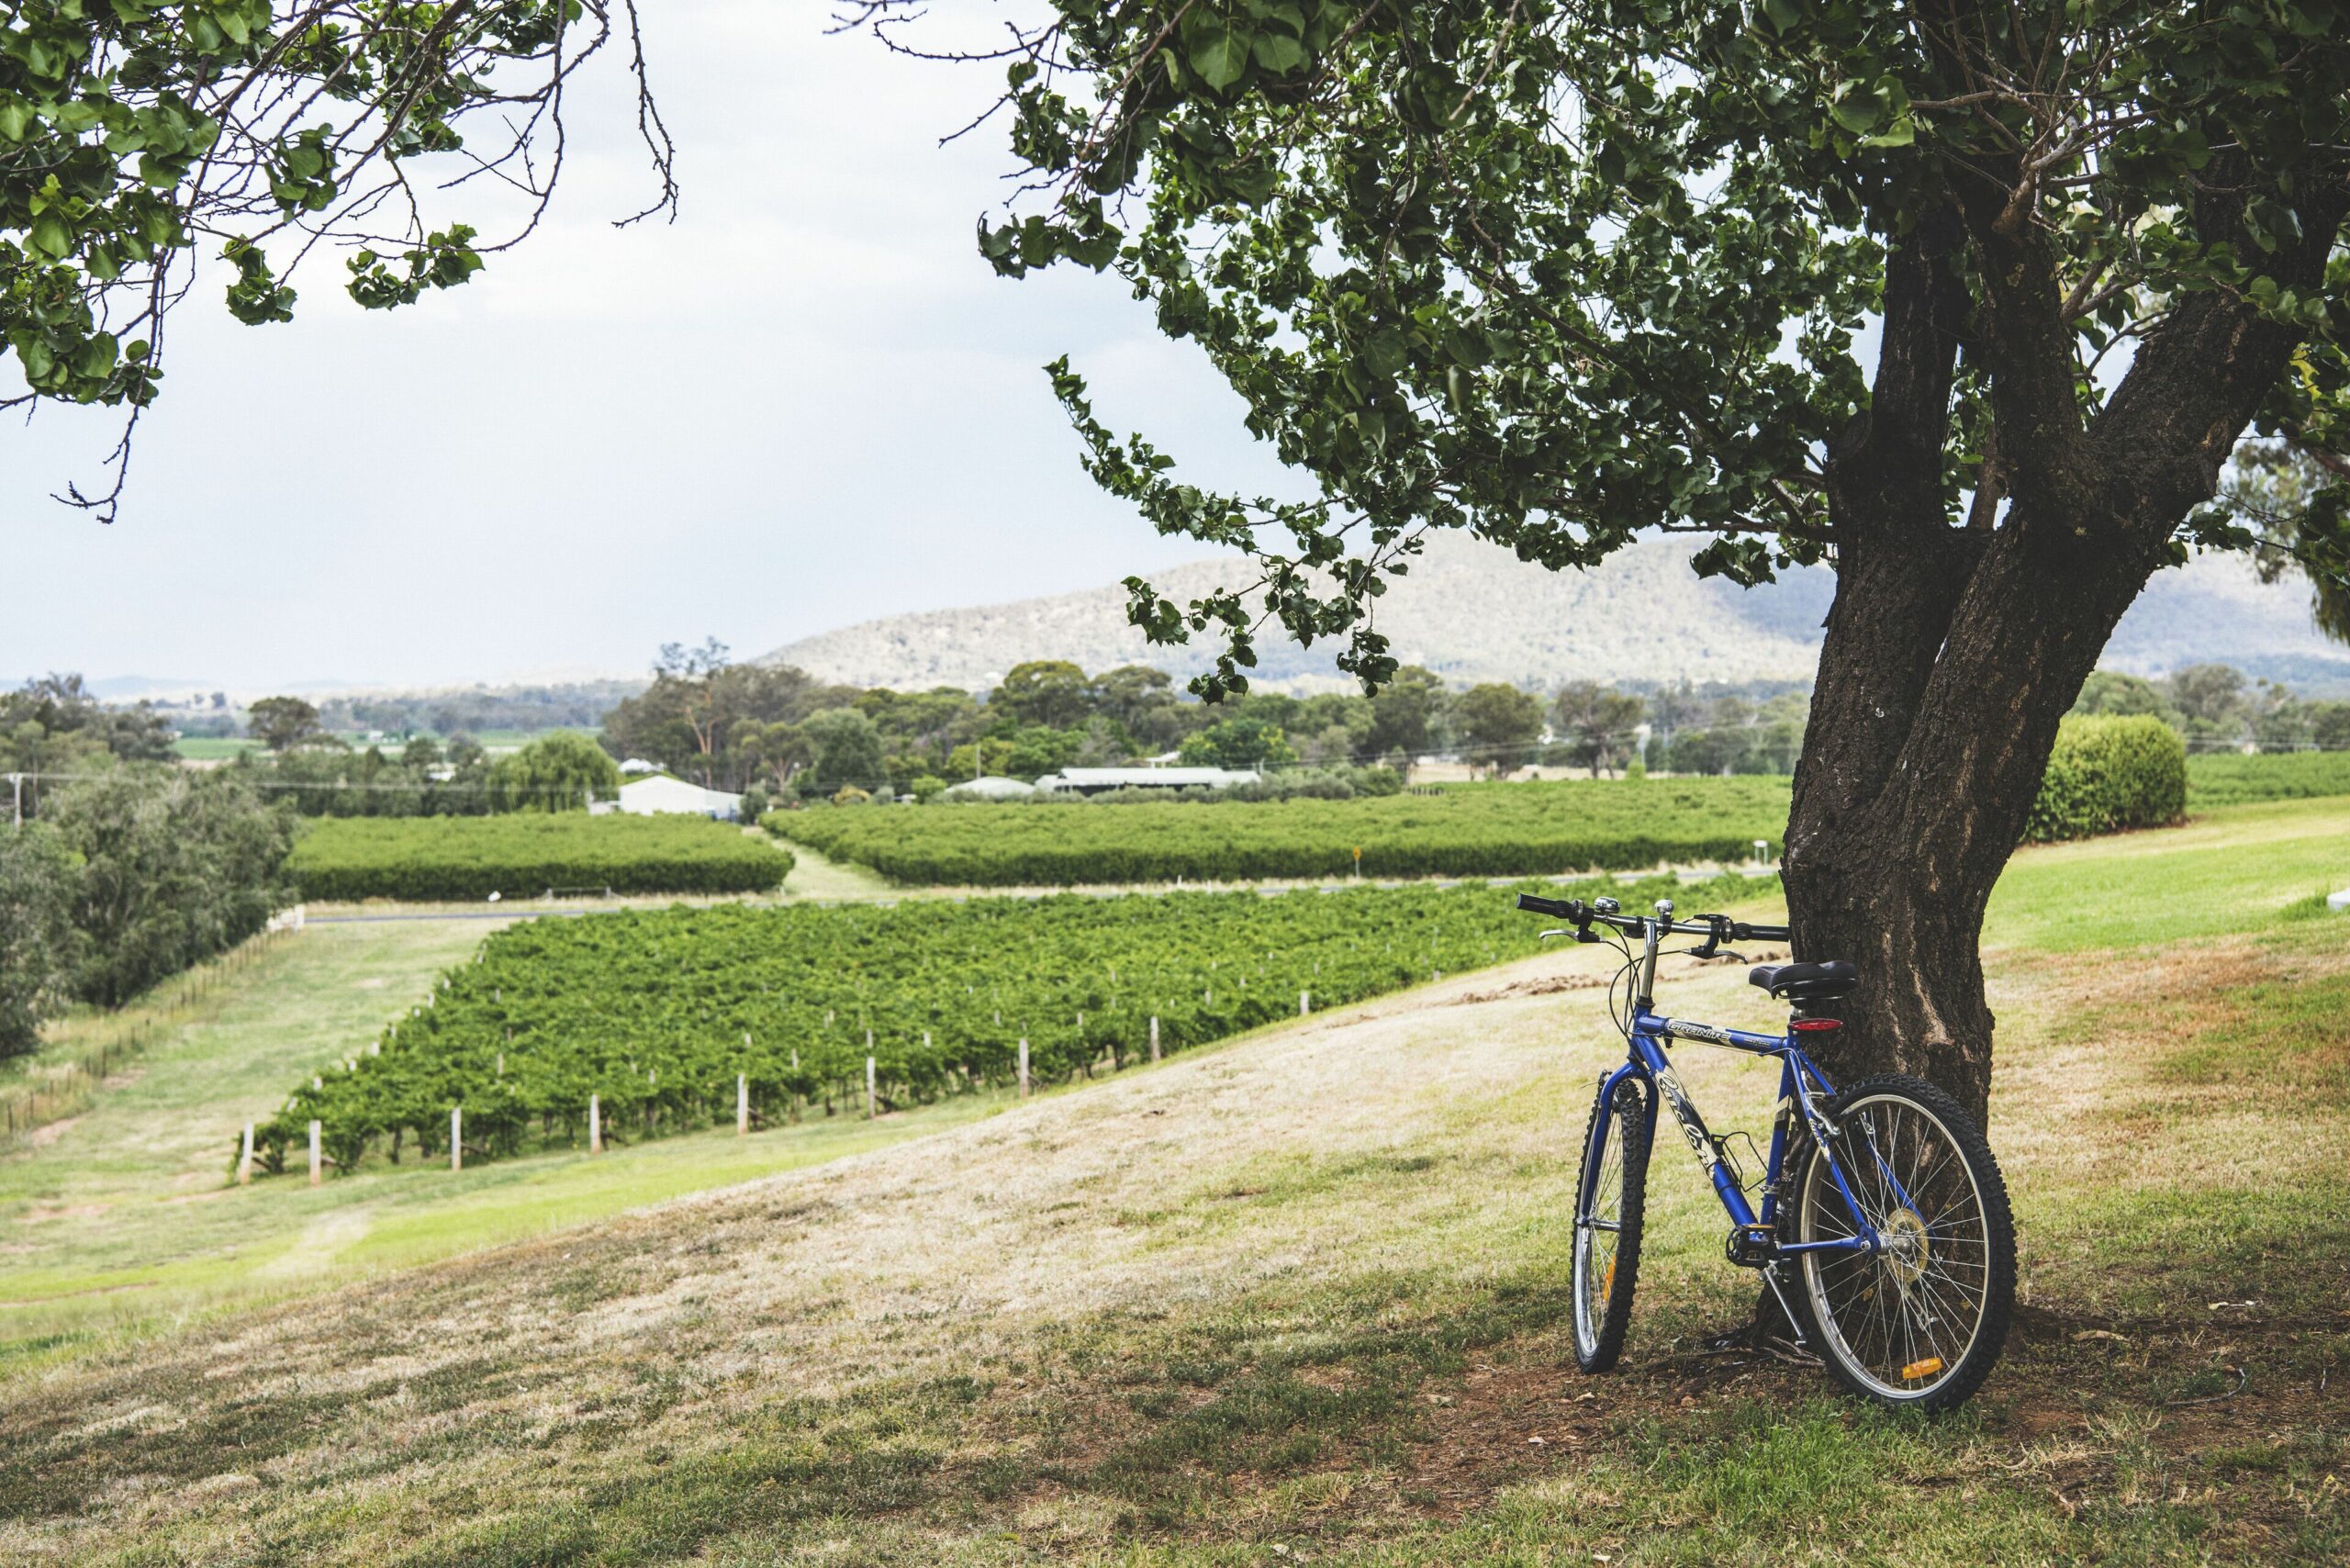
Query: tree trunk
[(1902, 824)]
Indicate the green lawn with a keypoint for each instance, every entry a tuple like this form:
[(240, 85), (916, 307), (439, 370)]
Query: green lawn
[(2230, 869), (213, 748), (126, 1213), (1298, 1299)]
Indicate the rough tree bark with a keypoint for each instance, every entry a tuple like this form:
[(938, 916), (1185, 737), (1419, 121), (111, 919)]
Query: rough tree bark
[(1951, 653)]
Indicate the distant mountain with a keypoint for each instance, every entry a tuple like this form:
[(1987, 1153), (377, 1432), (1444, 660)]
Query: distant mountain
[(1472, 611)]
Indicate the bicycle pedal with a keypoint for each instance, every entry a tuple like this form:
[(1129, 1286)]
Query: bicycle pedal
[(1752, 1246)]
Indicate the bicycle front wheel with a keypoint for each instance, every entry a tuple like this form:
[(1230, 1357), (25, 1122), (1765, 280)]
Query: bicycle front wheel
[(1918, 1325), (1610, 1201)]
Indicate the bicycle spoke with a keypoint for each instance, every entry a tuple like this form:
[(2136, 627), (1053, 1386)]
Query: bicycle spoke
[(1904, 1316)]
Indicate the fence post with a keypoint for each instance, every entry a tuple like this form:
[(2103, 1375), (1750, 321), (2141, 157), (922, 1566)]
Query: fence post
[(1304, 1003), (1023, 1067), (456, 1138), (1154, 1036), (595, 1123), (869, 1106), (317, 1157), (742, 1103), (245, 1161)]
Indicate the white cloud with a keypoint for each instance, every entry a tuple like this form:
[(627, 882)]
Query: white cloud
[(806, 402)]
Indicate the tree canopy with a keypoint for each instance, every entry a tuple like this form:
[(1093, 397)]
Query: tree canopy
[(139, 139), (1559, 273)]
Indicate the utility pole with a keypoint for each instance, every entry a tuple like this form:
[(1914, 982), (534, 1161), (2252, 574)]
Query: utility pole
[(16, 782)]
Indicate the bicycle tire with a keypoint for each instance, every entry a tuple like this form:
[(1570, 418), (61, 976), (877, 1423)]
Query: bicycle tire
[(1600, 1285), (1875, 1322)]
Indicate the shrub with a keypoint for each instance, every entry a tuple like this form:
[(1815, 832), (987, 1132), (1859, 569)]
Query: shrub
[(2107, 774), (524, 855)]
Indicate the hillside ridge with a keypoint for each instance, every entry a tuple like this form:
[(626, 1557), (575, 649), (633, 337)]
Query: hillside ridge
[(1471, 611)]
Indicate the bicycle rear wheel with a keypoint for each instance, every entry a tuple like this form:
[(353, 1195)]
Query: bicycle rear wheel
[(1610, 1201), (1918, 1326)]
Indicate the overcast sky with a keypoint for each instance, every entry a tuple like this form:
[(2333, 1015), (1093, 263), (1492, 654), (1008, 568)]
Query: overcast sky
[(807, 402)]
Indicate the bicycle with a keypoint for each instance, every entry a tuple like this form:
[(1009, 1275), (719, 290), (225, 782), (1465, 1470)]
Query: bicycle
[(1898, 1268)]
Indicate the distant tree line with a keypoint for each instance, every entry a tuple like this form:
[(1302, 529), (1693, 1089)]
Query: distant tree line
[(778, 732), (2219, 708), (126, 877), (781, 731), (55, 728)]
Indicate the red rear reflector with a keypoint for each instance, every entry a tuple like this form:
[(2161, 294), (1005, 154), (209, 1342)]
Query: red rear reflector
[(1808, 1025)]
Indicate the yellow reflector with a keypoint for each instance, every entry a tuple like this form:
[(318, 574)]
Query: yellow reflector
[(1608, 1286), (1925, 1367)]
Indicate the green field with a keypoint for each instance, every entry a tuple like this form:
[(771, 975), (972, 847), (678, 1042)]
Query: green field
[(1483, 830), (2224, 778), (123, 1214), (1502, 830), (525, 855), (1294, 1298), (213, 748), (662, 1014)]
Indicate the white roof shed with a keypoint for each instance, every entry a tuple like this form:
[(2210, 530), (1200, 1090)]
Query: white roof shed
[(660, 793)]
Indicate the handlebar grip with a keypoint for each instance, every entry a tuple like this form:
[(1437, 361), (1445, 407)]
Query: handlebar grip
[(1741, 931), (1558, 909)]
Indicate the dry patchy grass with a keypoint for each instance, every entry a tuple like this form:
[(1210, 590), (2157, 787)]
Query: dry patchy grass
[(1300, 1298)]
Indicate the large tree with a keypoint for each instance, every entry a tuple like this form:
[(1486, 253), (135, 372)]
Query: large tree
[(1973, 301), (137, 138)]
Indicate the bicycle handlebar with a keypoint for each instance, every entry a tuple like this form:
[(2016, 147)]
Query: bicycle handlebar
[(1719, 929)]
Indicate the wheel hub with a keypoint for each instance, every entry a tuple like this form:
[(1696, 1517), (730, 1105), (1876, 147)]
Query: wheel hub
[(1906, 1249)]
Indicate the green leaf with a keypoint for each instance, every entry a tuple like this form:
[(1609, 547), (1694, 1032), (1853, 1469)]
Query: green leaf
[(1855, 107), (1277, 53), (1220, 55), (49, 236)]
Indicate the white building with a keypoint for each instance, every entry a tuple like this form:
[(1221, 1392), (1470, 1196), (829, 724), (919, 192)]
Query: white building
[(649, 796), (1095, 781), (990, 787)]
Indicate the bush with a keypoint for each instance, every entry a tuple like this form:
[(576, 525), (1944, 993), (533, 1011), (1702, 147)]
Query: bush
[(2107, 774), (524, 855)]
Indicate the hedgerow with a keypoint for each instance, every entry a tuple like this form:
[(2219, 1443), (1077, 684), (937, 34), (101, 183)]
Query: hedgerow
[(526, 855), (1500, 830), (2109, 773), (2225, 779), (657, 1011)]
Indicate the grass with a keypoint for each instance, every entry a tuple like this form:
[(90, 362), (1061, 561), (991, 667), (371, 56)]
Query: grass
[(2222, 778), (213, 748), (126, 1215), (1297, 1299)]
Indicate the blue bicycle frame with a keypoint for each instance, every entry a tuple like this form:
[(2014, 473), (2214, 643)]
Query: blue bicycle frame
[(1754, 1240)]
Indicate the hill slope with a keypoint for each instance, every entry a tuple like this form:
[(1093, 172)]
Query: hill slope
[(1300, 1297), (1473, 612)]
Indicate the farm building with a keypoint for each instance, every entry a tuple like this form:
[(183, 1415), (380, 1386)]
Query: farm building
[(990, 789), (1095, 781), (659, 793)]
